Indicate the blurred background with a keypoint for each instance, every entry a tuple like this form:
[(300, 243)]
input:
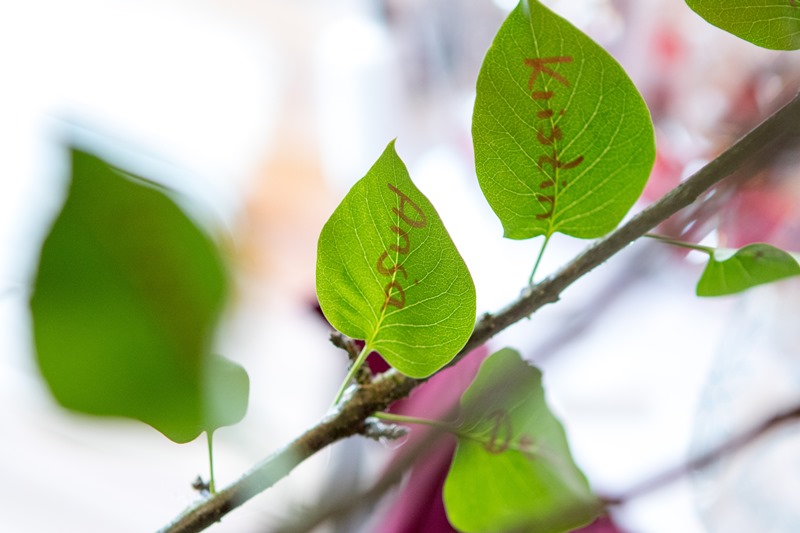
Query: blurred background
[(263, 113)]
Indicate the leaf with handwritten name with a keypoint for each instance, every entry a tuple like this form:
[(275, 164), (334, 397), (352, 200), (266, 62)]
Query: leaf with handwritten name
[(773, 24), (124, 306), (388, 272), (512, 467), (732, 271), (563, 140)]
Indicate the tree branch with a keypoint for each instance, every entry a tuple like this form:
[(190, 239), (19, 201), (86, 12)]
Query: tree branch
[(706, 458), (393, 476), (372, 495), (781, 128), (348, 419)]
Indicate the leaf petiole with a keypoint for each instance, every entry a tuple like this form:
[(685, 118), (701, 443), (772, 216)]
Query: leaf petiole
[(211, 485), (683, 244), (351, 373), (391, 417), (539, 258)]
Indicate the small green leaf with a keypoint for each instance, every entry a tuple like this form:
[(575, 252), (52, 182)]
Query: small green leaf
[(563, 140), (388, 272), (125, 302), (729, 271), (225, 391), (773, 24), (512, 466)]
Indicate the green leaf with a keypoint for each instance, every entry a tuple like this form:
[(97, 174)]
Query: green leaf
[(124, 306), (512, 466), (388, 272), (773, 24), (729, 271), (225, 393), (563, 141)]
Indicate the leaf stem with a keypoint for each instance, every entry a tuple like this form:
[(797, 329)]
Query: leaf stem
[(211, 485), (539, 258), (683, 244), (438, 424), (391, 417), (353, 369)]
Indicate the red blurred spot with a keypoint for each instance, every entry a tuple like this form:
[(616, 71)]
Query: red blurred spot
[(666, 174), (667, 47), (756, 214)]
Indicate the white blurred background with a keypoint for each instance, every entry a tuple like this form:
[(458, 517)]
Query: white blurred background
[(264, 112)]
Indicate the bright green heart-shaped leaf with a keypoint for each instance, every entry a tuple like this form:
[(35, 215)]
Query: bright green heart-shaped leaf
[(512, 466), (732, 271), (388, 272), (773, 24), (124, 306), (563, 140)]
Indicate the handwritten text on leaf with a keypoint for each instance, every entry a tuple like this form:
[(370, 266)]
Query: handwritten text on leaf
[(388, 272), (512, 466), (563, 141)]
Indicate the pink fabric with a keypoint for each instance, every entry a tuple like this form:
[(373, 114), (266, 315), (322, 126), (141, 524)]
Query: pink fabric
[(419, 507)]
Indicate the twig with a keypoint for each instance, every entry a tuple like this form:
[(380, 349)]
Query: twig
[(376, 430), (706, 458), (340, 340), (363, 374), (349, 418), (373, 494), (783, 126)]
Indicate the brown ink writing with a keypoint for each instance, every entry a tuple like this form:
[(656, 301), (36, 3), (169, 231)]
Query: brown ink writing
[(412, 216), (418, 221), (543, 68), (500, 436), (538, 65)]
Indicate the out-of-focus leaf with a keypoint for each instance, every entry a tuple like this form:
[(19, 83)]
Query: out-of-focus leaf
[(773, 24), (512, 466), (125, 302)]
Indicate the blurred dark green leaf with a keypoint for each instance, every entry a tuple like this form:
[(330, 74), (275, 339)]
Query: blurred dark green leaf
[(512, 467), (125, 303)]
